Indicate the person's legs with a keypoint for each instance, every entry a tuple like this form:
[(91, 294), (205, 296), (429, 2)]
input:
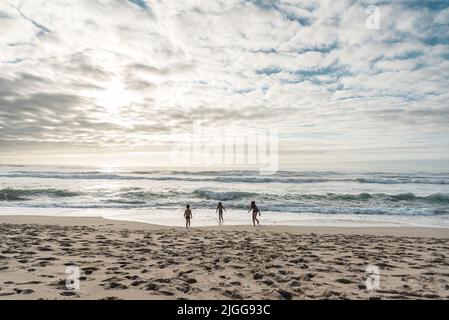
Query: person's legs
[(255, 219)]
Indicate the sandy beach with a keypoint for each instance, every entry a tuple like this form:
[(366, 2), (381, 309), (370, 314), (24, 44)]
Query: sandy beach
[(128, 260)]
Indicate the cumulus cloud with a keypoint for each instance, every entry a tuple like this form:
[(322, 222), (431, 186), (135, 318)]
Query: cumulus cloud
[(125, 74)]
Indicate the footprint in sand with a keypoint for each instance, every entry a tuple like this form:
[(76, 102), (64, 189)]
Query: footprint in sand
[(185, 288), (89, 270), (46, 248), (191, 280), (268, 282), (233, 294), (137, 283), (23, 291), (114, 285), (162, 280), (257, 276), (295, 283), (47, 259), (344, 281), (29, 282), (151, 287), (3, 294), (287, 295)]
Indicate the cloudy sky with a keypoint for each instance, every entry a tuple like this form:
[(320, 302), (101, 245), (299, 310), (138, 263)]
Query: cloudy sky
[(117, 81)]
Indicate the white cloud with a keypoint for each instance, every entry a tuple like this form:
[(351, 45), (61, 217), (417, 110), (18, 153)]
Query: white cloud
[(122, 74)]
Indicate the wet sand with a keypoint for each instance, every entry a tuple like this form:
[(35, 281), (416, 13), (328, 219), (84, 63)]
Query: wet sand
[(129, 260)]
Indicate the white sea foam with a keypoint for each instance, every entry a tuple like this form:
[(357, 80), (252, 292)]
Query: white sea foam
[(287, 196)]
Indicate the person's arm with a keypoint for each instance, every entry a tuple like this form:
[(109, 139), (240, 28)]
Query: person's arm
[(224, 208), (216, 210)]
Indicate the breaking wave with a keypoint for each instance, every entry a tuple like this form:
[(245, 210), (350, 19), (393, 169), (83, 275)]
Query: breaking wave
[(233, 177), (9, 194)]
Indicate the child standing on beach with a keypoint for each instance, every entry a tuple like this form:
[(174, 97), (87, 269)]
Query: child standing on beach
[(188, 215), (255, 210), (220, 209)]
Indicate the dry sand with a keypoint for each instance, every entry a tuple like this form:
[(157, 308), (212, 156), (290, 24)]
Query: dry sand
[(128, 260)]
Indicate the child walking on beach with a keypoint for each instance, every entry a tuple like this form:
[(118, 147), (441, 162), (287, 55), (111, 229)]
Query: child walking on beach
[(255, 210), (188, 215), (220, 209)]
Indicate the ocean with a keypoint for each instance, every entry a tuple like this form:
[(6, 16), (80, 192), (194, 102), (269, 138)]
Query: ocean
[(285, 198)]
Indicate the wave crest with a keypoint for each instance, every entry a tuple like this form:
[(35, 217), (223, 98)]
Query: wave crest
[(9, 194), (223, 196)]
